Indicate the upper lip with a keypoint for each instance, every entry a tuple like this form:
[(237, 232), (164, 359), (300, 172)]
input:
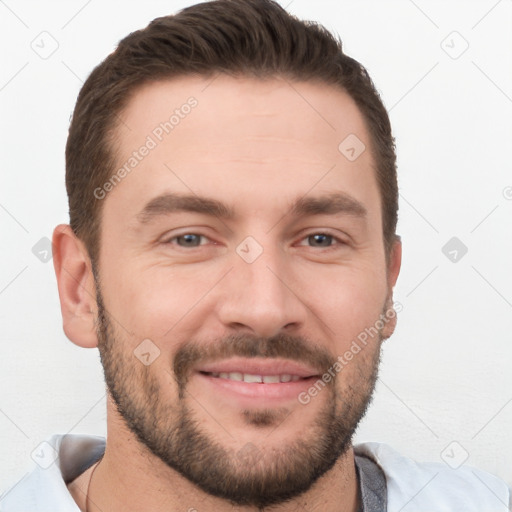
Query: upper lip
[(259, 366)]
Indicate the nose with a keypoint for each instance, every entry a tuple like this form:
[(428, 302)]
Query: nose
[(262, 297)]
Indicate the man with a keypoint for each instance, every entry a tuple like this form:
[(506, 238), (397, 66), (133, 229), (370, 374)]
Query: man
[(232, 253)]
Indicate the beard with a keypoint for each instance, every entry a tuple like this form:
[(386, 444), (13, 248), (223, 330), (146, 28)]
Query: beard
[(255, 475)]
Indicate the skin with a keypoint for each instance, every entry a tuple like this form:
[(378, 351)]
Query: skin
[(255, 146)]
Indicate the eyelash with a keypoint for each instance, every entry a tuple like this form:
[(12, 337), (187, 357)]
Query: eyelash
[(336, 241)]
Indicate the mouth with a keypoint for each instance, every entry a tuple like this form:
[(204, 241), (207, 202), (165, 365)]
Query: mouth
[(258, 381), (255, 379)]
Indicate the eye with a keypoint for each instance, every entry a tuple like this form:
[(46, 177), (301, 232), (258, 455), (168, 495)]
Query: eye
[(188, 240), (320, 240)]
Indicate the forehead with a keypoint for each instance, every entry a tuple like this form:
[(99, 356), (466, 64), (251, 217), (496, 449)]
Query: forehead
[(268, 140), (226, 109)]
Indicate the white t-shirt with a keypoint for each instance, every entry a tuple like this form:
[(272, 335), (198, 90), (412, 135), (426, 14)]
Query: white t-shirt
[(411, 486)]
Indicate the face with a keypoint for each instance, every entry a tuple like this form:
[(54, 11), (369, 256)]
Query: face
[(241, 258)]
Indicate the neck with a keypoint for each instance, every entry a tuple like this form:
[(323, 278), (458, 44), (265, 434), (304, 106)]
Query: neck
[(130, 478)]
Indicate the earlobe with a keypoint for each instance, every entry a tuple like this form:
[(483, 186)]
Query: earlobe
[(76, 286)]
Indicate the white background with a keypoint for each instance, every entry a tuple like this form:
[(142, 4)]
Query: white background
[(446, 372)]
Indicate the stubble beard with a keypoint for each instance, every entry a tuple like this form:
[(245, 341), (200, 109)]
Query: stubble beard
[(254, 475)]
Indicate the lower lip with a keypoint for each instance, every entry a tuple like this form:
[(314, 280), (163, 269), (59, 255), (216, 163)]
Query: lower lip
[(255, 391)]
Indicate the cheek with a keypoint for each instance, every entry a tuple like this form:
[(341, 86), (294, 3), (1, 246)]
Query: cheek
[(347, 300), (156, 302)]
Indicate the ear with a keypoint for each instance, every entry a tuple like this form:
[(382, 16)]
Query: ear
[(393, 269), (76, 285)]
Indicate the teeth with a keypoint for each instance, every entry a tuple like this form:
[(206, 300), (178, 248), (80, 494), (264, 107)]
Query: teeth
[(252, 378), (259, 379)]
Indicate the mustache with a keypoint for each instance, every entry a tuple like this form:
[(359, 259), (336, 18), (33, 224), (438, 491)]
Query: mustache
[(296, 348)]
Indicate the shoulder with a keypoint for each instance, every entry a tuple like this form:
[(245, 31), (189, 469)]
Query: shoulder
[(424, 487), (59, 460)]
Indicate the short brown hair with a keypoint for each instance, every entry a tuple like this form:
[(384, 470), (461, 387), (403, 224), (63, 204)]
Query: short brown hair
[(255, 38)]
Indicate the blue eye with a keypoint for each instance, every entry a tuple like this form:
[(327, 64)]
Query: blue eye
[(189, 240), (320, 240)]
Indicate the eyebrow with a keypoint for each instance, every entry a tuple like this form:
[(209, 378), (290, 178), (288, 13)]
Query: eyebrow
[(168, 203), (337, 202)]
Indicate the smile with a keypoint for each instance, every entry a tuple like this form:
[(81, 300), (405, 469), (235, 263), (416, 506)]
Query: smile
[(255, 379), (246, 382)]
